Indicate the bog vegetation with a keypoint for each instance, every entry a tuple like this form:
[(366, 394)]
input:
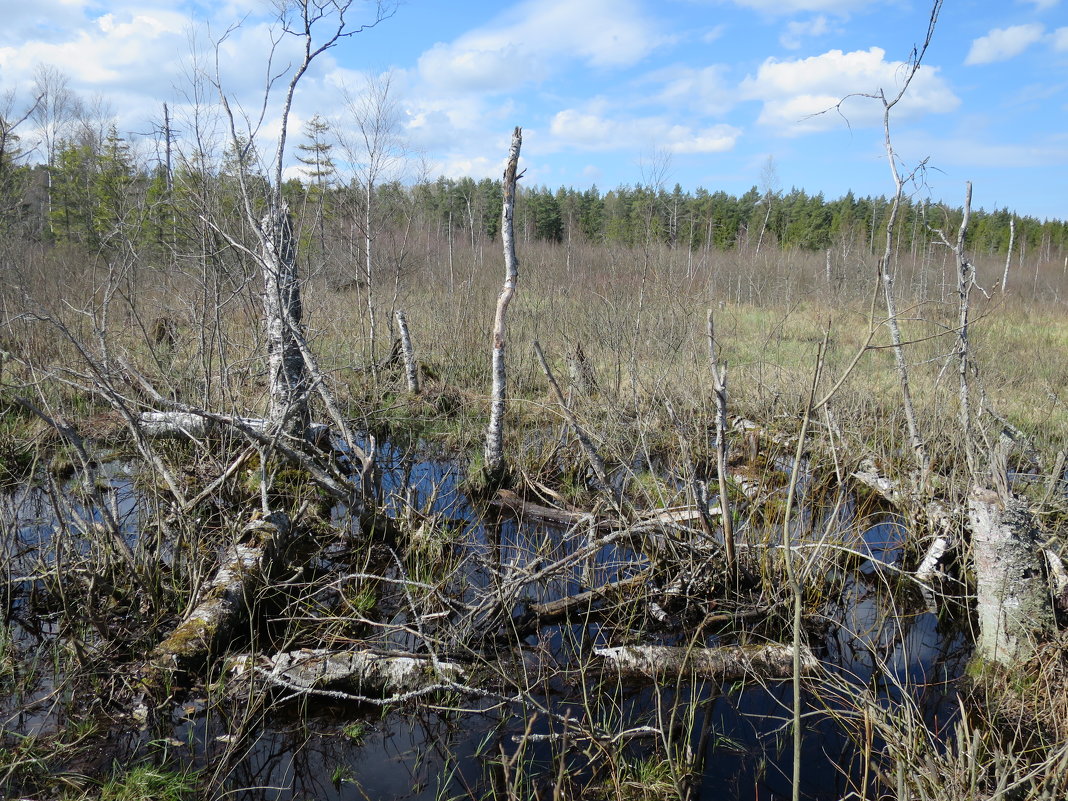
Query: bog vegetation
[(712, 403)]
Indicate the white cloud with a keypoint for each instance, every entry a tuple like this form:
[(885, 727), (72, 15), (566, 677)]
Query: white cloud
[(794, 91), (1060, 39), (712, 34), (589, 130), (787, 7), (1002, 44), (704, 91), (796, 31), (531, 42)]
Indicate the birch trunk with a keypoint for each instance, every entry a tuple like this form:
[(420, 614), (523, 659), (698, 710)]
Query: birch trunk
[(494, 451), (1013, 598), (411, 369), (319, 671), (222, 608), (288, 381)]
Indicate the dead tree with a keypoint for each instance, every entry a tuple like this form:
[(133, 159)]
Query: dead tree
[(282, 312), (494, 451)]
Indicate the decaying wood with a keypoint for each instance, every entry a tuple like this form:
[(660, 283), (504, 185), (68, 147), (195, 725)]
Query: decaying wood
[(358, 672), (1013, 598), (596, 462), (224, 602), (182, 425), (411, 369), (564, 608), (726, 663), (194, 425), (494, 449), (934, 514), (719, 389), (527, 510), (288, 379)]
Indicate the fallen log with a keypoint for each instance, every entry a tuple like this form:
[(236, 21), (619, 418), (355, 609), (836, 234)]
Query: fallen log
[(223, 604), (530, 511), (190, 425), (583, 603), (340, 673), (726, 663)]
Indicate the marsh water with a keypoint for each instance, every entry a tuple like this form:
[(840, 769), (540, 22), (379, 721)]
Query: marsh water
[(868, 632)]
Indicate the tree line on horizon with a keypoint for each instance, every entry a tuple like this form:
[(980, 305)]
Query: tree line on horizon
[(92, 188)]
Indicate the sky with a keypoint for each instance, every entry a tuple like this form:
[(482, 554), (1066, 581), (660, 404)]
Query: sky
[(720, 94)]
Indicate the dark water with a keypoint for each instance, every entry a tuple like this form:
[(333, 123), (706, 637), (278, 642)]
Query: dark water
[(874, 637)]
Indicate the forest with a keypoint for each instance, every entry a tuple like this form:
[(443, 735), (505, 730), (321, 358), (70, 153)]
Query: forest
[(320, 481)]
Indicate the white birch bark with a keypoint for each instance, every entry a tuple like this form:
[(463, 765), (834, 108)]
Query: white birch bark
[(411, 369), (288, 381), (494, 450), (727, 663), (1013, 597), (321, 671)]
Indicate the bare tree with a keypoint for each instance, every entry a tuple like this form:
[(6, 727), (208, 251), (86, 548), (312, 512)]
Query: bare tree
[(56, 109), (318, 25), (376, 150)]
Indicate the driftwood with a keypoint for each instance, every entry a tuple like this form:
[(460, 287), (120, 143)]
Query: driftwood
[(223, 604), (727, 663), (339, 673)]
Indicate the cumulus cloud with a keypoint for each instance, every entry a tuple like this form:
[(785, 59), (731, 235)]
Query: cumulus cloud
[(793, 91), (1060, 39), (1001, 44), (589, 130), (531, 42), (798, 30)]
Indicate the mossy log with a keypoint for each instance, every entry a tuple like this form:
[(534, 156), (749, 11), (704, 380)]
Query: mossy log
[(224, 604), (726, 663), (359, 672)]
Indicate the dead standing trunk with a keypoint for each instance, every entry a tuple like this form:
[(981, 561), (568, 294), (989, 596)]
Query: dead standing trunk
[(1013, 601), (1013, 597), (494, 450), (288, 377)]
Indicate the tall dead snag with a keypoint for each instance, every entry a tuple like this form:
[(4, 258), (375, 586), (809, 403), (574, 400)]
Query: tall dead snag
[(282, 310), (719, 390), (886, 262), (965, 281), (494, 451)]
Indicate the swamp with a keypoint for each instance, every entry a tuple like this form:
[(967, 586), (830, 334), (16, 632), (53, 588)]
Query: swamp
[(300, 502)]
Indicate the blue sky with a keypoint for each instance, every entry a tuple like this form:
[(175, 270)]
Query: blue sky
[(695, 92)]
